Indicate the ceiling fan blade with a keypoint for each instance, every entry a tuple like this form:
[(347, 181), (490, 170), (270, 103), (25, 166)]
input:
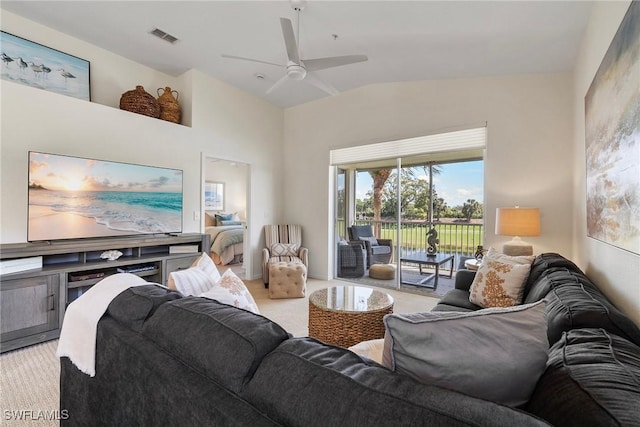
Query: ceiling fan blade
[(277, 84), (332, 61), (251, 60), (321, 84), (290, 40)]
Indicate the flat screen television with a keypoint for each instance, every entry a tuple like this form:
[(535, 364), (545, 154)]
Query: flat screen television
[(74, 197)]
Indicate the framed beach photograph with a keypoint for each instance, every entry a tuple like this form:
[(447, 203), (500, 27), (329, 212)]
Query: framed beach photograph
[(214, 196), (42, 67)]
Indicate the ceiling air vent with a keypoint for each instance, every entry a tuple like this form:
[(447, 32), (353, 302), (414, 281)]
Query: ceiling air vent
[(164, 36)]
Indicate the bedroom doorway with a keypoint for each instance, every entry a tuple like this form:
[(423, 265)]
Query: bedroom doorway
[(225, 202)]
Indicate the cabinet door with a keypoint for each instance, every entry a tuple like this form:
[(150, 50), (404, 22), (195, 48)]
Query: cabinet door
[(175, 264), (28, 306)]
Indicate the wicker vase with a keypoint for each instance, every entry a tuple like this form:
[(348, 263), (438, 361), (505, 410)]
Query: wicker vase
[(169, 106), (141, 102)]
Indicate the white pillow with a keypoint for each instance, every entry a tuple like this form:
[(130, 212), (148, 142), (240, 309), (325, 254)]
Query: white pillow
[(371, 349), (500, 280), (192, 281), (206, 264), (495, 354), (230, 289), (200, 277)]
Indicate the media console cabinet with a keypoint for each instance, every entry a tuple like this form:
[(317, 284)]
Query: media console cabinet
[(32, 302)]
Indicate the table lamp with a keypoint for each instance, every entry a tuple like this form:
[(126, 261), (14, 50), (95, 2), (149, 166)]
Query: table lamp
[(517, 222)]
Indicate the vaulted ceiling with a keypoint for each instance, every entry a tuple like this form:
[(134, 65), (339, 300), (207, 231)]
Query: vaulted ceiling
[(403, 40)]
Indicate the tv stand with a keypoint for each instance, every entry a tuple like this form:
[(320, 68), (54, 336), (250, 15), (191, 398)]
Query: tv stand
[(32, 302)]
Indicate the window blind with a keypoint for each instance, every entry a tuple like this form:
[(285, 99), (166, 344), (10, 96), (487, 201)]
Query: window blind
[(462, 140)]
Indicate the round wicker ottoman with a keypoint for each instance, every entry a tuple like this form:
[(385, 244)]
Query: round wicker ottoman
[(347, 315), (382, 271)]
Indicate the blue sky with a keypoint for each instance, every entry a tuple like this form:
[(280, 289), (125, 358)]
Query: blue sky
[(457, 182)]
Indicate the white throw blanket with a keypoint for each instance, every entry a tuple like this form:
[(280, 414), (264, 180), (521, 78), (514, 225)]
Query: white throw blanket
[(79, 329)]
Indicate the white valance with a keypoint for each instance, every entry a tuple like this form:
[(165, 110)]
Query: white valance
[(468, 140)]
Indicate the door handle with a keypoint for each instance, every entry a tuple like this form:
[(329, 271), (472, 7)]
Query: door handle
[(52, 302)]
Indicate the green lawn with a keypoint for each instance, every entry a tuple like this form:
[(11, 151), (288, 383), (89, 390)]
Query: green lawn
[(456, 238)]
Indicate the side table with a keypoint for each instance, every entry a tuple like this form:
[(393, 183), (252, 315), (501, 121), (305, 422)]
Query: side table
[(347, 315)]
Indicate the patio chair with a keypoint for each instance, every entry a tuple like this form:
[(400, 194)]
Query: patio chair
[(379, 251), (351, 259)]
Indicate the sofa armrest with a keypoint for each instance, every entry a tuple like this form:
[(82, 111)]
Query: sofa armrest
[(464, 278)]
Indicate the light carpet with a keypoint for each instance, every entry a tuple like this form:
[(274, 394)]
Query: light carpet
[(29, 381)]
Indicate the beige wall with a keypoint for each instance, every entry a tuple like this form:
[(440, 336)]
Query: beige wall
[(225, 122), (528, 159), (617, 272)]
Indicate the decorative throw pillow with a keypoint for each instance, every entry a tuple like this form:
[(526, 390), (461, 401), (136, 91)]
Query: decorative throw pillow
[(230, 289), (496, 354), (498, 256), (194, 282), (284, 249), (500, 280), (223, 217), (209, 220), (231, 222), (372, 240)]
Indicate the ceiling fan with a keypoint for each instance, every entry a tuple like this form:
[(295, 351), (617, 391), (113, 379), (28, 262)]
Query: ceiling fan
[(297, 68)]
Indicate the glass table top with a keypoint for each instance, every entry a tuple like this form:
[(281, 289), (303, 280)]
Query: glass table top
[(351, 298)]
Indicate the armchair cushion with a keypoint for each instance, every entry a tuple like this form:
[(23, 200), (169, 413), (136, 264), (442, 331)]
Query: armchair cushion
[(372, 240)]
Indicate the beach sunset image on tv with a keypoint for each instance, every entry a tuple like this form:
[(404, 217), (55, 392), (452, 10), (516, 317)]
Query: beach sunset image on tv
[(73, 197)]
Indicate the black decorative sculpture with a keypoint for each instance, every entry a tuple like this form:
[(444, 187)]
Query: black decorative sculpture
[(479, 253), (433, 241)]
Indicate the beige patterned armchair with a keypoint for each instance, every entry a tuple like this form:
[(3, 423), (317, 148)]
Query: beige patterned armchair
[(283, 244)]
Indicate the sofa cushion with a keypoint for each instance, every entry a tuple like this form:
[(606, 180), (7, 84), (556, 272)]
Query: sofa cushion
[(301, 382), (496, 354), (133, 306), (592, 378), (222, 342), (544, 262), (574, 302), (458, 298)]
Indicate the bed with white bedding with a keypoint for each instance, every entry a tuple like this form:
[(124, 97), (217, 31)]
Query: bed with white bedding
[(226, 243)]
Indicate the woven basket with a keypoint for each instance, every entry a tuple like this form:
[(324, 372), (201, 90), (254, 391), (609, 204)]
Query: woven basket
[(141, 102), (169, 106)]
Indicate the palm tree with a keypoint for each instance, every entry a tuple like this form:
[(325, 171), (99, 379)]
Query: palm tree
[(380, 177)]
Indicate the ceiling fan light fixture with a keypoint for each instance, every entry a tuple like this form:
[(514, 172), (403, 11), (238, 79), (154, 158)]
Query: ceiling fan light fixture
[(296, 71)]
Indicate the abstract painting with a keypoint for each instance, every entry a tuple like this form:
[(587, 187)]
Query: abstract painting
[(612, 134), (38, 66)]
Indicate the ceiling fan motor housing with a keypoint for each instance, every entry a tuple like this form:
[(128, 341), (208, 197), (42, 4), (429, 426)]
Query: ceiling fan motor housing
[(296, 71)]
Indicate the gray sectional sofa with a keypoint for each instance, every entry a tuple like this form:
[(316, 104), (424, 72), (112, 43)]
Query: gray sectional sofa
[(164, 359)]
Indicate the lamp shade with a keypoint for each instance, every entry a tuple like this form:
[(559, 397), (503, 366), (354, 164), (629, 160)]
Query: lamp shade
[(518, 221)]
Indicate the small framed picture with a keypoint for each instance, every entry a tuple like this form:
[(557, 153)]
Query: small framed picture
[(214, 196), (35, 65)]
